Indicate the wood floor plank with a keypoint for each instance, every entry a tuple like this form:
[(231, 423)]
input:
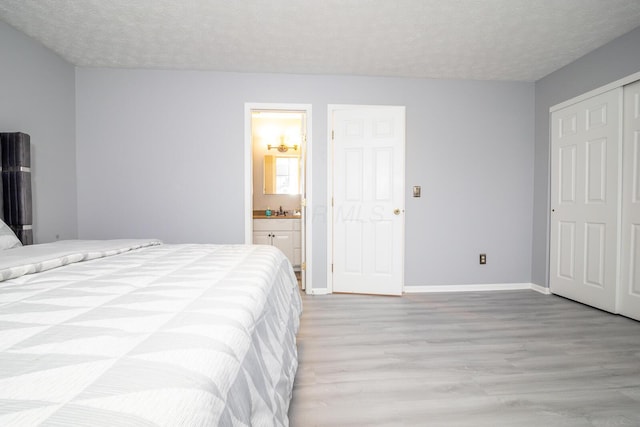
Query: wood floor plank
[(514, 358)]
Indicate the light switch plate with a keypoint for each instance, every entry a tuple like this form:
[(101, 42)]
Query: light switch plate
[(416, 191)]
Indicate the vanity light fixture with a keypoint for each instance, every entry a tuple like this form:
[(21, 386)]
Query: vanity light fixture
[(283, 148)]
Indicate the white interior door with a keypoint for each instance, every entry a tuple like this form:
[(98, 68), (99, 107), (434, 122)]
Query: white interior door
[(630, 278), (585, 144), (368, 199)]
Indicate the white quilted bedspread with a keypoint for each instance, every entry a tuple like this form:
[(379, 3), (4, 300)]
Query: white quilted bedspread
[(174, 335)]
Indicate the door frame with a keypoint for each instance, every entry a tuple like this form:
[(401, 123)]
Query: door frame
[(249, 107), (329, 208)]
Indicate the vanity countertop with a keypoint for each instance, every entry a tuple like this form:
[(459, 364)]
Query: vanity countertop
[(259, 214), (263, 216)]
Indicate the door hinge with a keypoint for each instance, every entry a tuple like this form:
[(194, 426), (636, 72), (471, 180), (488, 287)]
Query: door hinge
[(332, 134), (332, 268), (303, 202), (303, 266), (332, 202)]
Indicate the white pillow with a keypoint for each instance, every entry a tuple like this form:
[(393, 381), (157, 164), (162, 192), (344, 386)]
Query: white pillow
[(8, 238)]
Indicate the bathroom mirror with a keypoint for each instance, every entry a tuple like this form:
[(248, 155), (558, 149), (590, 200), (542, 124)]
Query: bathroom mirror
[(281, 174)]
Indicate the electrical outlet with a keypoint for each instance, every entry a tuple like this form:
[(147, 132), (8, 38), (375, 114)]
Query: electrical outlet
[(483, 258)]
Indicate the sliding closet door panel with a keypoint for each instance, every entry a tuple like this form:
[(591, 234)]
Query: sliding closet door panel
[(630, 275), (585, 144)]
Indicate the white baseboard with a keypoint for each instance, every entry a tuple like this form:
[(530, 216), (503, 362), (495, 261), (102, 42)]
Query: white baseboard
[(321, 291), (541, 289), (458, 288), (475, 288)]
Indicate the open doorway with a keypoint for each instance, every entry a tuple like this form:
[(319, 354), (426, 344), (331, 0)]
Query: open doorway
[(277, 181)]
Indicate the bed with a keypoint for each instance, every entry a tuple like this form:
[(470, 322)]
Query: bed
[(140, 333)]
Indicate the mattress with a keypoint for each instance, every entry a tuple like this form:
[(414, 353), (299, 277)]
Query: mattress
[(140, 333)]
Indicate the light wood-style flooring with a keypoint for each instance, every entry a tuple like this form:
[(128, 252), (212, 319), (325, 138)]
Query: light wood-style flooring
[(516, 358)]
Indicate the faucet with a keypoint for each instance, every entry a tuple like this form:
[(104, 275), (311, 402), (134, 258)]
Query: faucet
[(281, 212)]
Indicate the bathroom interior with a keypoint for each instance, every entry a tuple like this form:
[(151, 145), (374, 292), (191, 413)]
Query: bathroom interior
[(278, 165)]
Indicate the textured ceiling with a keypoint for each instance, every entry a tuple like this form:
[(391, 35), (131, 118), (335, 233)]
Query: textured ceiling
[(520, 40)]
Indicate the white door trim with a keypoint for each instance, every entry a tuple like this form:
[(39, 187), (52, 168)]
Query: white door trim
[(248, 178), (329, 213)]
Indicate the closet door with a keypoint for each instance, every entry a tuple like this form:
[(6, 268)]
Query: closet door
[(630, 275), (585, 144)]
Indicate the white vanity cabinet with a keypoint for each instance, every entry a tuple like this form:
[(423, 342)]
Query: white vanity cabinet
[(297, 245), (284, 234)]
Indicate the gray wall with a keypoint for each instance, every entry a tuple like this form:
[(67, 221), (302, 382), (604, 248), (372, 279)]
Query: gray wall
[(611, 62), (37, 96), (161, 154)]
